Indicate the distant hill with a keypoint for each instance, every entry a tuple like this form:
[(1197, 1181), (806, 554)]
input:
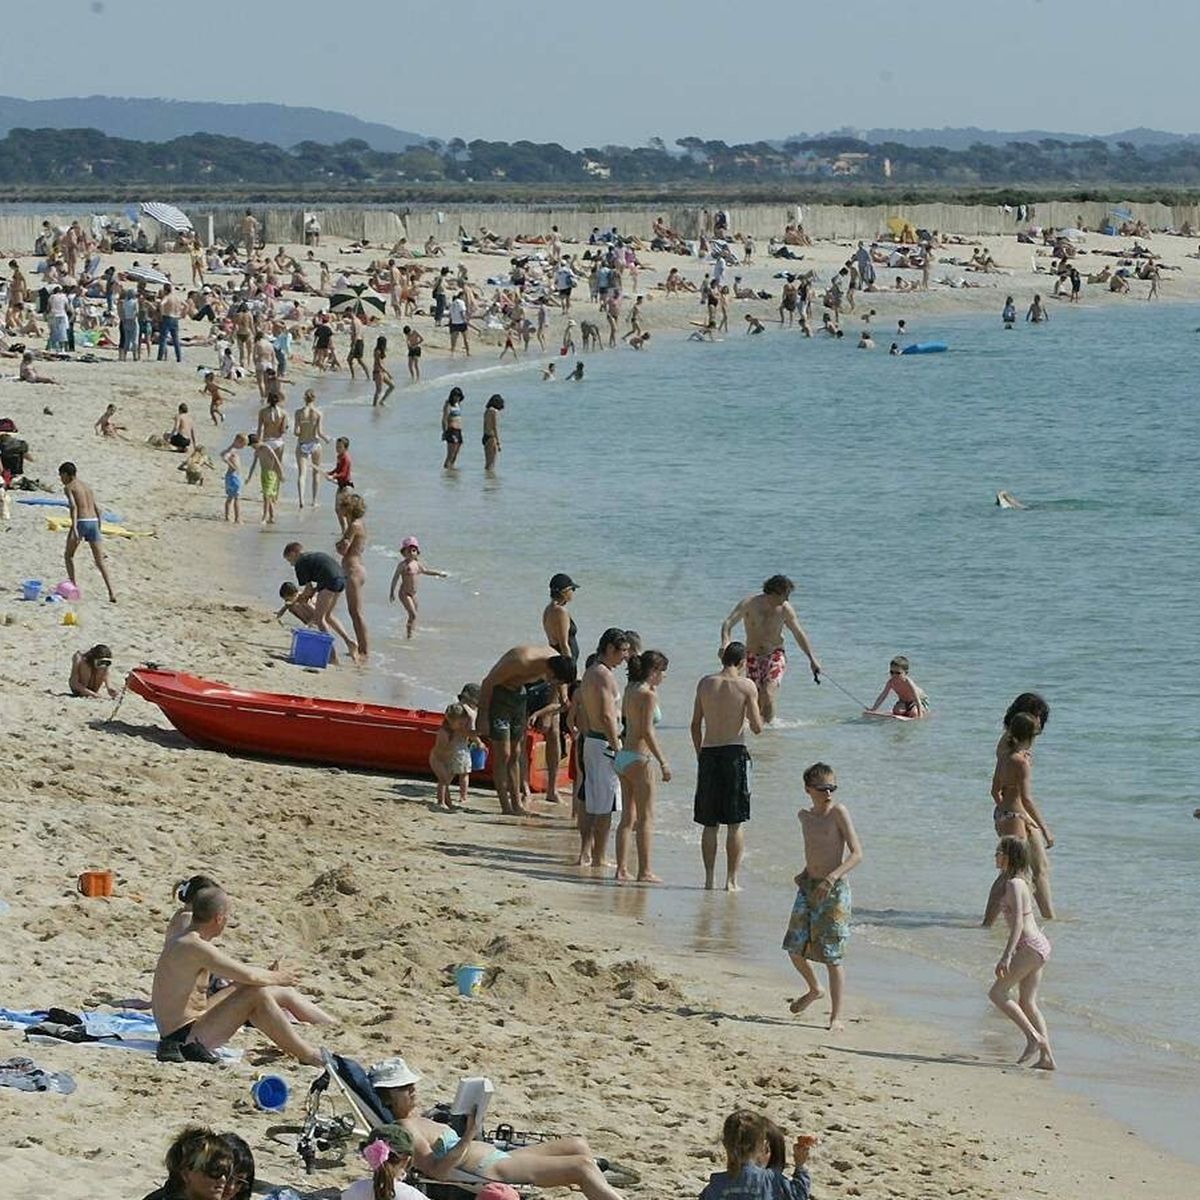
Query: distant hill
[(146, 120), (963, 138)]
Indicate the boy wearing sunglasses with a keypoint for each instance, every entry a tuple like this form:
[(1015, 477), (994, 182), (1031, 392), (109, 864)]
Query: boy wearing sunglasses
[(820, 922)]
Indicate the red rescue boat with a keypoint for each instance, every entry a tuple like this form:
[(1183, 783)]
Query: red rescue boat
[(342, 733)]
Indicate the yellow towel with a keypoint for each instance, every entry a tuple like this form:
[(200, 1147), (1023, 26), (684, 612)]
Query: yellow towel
[(62, 524)]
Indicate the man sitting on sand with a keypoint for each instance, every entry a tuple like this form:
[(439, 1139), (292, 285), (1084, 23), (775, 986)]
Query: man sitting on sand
[(191, 1023)]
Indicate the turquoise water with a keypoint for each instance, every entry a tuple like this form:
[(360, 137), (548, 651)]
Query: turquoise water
[(671, 483)]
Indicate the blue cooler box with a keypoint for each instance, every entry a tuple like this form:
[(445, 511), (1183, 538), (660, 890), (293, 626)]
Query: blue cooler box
[(311, 648)]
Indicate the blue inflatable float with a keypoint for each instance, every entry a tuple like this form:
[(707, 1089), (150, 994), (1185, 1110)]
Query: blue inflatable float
[(925, 348)]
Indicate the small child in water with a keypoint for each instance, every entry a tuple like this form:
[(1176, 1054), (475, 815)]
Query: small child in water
[(911, 701), (214, 391), (748, 1153), (408, 571), (451, 755)]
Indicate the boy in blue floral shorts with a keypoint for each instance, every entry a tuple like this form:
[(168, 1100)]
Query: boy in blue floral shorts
[(820, 921)]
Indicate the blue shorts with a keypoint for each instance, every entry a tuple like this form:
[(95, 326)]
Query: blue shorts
[(233, 485), (87, 529)]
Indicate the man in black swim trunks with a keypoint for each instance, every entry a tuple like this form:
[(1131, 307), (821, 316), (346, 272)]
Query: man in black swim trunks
[(562, 635), (725, 704), (321, 579)]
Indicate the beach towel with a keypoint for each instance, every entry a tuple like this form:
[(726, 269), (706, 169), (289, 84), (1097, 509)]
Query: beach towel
[(62, 524), (120, 1030)]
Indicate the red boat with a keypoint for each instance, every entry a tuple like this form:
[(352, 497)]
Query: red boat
[(343, 733)]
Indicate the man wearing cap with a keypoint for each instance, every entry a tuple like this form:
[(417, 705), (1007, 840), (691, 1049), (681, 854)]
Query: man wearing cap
[(600, 706), (561, 634), (502, 712)]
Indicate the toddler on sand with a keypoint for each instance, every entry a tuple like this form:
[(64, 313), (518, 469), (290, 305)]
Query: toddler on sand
[(451, 754)]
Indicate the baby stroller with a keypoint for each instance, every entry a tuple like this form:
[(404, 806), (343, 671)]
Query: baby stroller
[(344, 1086)]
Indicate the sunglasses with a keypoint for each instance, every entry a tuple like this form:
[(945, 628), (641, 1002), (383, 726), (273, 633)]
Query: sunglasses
[(104, 662), (827, 788), (894, 671), (215, 1171)]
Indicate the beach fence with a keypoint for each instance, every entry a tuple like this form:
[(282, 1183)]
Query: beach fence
[(381, 226)]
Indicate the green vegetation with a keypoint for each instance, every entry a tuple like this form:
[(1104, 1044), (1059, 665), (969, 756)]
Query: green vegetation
[(83, 164)]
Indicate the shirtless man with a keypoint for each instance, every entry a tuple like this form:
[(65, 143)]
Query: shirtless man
[(191, 1023), (356, 346), (764, 616), (85, 524), (250, 234), (787, 302), (309, 429), (502, 715), (243, 332), (561, 634), (599, 708), (171, 307), (726, 702)]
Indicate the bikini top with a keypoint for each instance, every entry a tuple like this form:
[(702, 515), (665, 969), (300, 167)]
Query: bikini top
[(453, 411), (446, 1142)]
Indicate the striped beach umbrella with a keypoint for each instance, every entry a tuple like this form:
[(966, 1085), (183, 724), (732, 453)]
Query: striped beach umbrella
[(357, 298)]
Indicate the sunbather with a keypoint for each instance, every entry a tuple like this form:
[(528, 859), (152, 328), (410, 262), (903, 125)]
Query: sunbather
[(192, 1023), (438, 1151), (203, 1165)]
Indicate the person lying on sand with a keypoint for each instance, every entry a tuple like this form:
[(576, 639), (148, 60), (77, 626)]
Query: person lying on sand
[(438, 1151), (192, 1024)]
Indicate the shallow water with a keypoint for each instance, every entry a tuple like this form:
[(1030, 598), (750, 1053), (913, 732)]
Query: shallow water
[(672, 482)]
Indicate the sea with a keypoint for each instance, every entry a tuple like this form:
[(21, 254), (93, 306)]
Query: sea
[(670, 483)]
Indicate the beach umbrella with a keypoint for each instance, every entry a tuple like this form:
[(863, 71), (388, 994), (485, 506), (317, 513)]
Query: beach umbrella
[(146, 275), (357, 299), (167, 215)]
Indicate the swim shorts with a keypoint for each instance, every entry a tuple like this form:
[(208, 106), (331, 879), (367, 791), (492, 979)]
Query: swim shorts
[(87, 529), (452, 437), (763, 669), (602, 796), (819, 929), (233, 485), (270, 484), (506, 714), (722, 786), (455, 327)]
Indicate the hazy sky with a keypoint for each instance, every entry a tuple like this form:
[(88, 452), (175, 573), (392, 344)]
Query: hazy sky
[(625, 70)]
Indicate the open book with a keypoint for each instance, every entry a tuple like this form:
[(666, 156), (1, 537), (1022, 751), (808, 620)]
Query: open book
[(473, 1093)]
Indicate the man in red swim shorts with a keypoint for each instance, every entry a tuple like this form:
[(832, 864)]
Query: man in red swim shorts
[(764, 617)]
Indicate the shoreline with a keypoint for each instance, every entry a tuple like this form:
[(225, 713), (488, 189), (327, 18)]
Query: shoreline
[(166, 808)]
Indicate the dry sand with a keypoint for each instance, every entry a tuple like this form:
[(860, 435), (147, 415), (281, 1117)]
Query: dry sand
[(586, 1024)]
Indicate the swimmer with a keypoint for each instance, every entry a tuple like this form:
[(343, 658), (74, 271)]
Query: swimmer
[(865, 341), (911, 701), (1009, 313), (894, 348), (638, 340), (548, 374), (1037, 312), (754, 325), (577, 374), (1008, 500)]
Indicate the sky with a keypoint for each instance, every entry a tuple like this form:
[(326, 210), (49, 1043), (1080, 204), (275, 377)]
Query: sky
[(622, 71)]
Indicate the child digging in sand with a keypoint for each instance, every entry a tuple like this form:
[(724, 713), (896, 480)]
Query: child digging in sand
[(820, 921), (451, 754), (911, 701), (408, 571), (750, 1170)]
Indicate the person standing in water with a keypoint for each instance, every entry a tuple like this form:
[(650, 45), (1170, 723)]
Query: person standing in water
[(309, 429), (384, 384), (764, 617), (408, 570), (1009, 313), (452, 431), (1037, 312), (351, 546), (1025, 956), (491, 431), (639, 744), (726, 703)]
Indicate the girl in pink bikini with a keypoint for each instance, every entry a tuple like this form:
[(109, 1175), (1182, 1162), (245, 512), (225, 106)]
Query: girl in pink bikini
[(1025, 955)]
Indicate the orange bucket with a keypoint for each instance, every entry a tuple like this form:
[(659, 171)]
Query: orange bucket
[(96, 883)]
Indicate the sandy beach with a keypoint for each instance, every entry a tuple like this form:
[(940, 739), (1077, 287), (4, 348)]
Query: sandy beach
[(588, 1022)]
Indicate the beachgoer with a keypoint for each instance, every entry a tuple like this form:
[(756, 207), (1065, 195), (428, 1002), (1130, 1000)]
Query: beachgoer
[(1025, 956), (576, 375), (385, 385), (342, 475), (84, 515), (820, 922), (309, 428), (1008, 314), (305, 611), (491, 431), (413, 341), (182, 436), (764, 617), (797, 1185), (350, 546), (388, 1151), (89, 673), (171, 306), (451, 754), (502, 712), (438, 1150), (266, 460), (105, 426), (726, 702), (600, 701), (232, 458), (408, 571), (640, 714), (452, 433), (200, 1166), (215, 393), (561, 633), (320, 579), (746, 1175), (355, 354), (192, 1024), (1037, 312), (910, 699), (458, 323)]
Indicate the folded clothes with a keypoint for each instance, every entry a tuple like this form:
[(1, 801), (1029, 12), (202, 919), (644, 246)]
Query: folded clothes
[(26, 1076)]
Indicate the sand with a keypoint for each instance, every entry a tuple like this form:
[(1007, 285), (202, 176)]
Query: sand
[(586, 1024)]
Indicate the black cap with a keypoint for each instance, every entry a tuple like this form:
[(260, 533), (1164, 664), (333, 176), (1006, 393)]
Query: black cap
[(560, 583)]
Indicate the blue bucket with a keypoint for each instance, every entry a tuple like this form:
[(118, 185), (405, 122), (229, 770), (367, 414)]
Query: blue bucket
[(478, 758), (31, 589), (469, 980), (311, 648), (270, 1093)]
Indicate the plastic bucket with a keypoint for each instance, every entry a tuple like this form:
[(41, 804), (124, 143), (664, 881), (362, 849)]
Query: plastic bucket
[(479, 757), (96, 883), (469, 980), (270, 1093), (31, 589), (311, 648)]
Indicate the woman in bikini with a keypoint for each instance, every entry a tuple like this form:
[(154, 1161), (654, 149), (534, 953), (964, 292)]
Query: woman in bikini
[(1025, 956), (452, 433), (1015, 812), (491, 431), (380, 374), (640, 714), (350, 546), (309, 429)]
